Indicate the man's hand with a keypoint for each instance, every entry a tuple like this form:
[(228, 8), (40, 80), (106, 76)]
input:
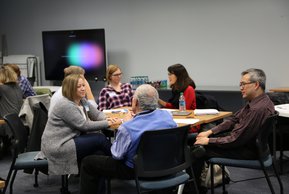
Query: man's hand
[(202, 141), (205, 134)]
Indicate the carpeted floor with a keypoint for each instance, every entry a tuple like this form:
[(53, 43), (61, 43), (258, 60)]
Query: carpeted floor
[(51, 184)]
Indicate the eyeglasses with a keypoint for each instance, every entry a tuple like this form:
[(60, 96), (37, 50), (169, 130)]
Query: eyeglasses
[(118, 74), (242, 84)]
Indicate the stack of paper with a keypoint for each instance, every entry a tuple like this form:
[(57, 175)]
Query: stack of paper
[(206, 111), (186, 121), (115, 111), (283, 110)]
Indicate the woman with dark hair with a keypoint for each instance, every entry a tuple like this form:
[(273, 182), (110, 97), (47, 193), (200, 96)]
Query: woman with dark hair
[(180, 81)]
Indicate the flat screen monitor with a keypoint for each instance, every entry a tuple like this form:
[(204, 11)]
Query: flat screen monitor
[(84, 48)]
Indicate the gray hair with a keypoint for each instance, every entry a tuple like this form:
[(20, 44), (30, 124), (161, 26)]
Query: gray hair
[(256, 75), (147, 97)]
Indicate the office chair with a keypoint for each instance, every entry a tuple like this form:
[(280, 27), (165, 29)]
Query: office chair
[(38, 125), (162, 159), (282, 133), (34, 144), (263, 162), (21, 159), (282, 125)]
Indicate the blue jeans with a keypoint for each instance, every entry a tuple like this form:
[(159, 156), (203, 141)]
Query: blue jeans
[(92, 143)]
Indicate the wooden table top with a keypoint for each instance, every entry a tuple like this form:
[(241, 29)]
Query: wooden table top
[(2, 121), (212, 118), (203, 119), (2, 184), (281, 89)]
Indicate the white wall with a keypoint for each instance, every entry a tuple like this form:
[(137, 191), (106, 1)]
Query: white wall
[(214, 39)]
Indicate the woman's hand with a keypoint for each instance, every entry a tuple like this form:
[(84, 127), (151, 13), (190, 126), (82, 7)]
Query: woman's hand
[(162, 103), (114, 121), (128, 116)]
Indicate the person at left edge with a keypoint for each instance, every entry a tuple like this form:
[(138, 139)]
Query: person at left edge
[(10, 96), (23, 82)]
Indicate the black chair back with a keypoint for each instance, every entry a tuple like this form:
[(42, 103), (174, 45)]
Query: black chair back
[(263, 136), (162, 152), (22, 160), (39, 122), (43, 107), (20, 133), (207, 101)]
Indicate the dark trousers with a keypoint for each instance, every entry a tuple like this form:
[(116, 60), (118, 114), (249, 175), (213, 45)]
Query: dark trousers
[(246, 152), (214, 151), (91, 143), (94, 170)]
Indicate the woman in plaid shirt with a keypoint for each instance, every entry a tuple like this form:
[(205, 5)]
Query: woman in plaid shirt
[(115, 94)]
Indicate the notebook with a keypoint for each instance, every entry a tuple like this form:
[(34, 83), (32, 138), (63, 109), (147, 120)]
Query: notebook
[(181, 113)]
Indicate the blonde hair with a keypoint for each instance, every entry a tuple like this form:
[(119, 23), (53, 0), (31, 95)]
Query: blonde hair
[(73, 70), (110, 70), (15, 68), (69, 86), (7, 75)]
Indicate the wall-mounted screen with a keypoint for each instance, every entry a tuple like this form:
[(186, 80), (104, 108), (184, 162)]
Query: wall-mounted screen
[(84, 48)]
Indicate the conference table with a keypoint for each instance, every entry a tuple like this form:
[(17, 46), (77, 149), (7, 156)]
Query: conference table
[(191, 119), (2, 184), (281, 89)]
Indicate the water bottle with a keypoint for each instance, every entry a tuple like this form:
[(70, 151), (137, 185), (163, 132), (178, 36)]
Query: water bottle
[(182, 103)]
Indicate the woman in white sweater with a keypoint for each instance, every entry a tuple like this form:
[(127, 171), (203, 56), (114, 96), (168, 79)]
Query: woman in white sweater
[(70, 134)]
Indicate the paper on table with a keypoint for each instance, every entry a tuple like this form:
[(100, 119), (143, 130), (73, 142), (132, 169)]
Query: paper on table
[(186, 121), (206, 111), (282, 106), (115, 111), (283, 110)]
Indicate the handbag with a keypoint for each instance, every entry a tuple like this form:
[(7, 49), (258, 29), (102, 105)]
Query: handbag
[(206, 175)]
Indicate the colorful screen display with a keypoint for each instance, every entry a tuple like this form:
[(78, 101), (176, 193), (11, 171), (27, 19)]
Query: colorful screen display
[(84, 48)]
